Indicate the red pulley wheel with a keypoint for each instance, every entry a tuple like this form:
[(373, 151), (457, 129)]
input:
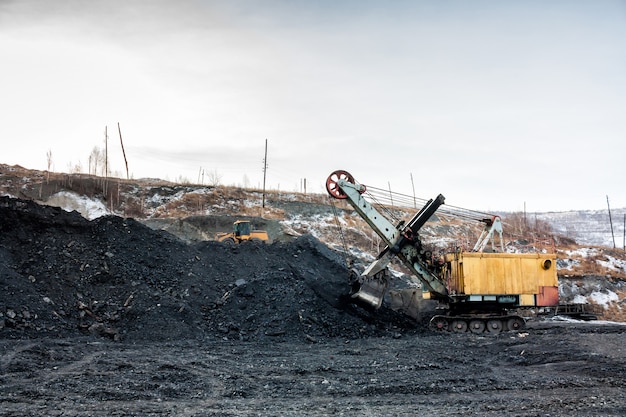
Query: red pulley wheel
[(331, 183)]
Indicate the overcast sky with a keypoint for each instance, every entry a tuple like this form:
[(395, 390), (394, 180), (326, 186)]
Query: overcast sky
[(498, 105)]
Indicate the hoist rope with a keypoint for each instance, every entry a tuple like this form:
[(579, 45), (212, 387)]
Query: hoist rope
[(386, 198), (341, 236), (382, 207)]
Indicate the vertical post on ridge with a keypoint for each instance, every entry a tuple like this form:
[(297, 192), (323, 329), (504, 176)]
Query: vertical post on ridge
[(610, 220), (264, 173)]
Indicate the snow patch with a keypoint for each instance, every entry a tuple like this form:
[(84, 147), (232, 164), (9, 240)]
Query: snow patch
[(613, 264), (569, 259), (89, 208), (604, 299)]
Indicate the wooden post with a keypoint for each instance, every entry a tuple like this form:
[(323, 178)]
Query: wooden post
[(106, 162), (610, 220), (123, 152), (106, 153), (264, 173), (413, 185)]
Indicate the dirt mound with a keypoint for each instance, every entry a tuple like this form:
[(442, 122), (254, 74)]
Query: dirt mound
[(210, 329), (63, 275)]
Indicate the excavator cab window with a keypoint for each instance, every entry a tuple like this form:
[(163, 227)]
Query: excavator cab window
[(242, 229)]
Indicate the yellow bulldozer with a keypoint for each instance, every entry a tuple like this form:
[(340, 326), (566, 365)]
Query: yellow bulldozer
[(242, 232)]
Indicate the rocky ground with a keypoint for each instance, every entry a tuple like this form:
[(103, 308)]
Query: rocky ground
[(110, 317)]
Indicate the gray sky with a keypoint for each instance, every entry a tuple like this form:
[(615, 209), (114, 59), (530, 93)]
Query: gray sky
[(497, 105)]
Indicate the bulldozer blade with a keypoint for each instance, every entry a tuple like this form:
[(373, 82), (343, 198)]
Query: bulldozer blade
[(371, 291)]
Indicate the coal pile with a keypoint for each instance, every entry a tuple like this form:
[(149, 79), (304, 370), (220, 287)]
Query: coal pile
[(62, 275)]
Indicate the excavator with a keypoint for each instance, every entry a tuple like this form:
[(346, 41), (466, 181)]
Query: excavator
[(480, 290)]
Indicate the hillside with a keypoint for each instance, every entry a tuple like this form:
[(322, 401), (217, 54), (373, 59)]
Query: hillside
[(589, 227), (155, 200), (589, 272)]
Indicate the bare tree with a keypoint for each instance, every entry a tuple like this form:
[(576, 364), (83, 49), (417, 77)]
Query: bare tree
[(214, 178), (519, 224), (246, 181), (49, 158), (182, 180), (74, 168), (96, 161)]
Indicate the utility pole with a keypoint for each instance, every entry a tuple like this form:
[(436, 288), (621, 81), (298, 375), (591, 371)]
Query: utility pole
[(390, 195), (264, 173), (106, 153), (413, 185), (610, 220), (106, 161), (119, 129)]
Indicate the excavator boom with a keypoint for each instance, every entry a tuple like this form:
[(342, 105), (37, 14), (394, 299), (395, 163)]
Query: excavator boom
[(401, 241)]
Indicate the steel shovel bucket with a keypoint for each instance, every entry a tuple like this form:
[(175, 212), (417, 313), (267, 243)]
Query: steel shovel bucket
[(371, 291)]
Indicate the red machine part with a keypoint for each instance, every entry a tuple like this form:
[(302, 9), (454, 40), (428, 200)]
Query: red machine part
[(333, 188)]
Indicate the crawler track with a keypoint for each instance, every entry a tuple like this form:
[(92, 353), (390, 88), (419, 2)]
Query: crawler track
[(477, 324)]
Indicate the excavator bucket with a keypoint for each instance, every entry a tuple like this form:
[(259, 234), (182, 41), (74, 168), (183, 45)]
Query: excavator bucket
[(410, 301), (371, 291), (406, 301)]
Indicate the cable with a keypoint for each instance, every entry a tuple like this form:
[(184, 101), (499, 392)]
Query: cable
[(341, 236), (386, 198)]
